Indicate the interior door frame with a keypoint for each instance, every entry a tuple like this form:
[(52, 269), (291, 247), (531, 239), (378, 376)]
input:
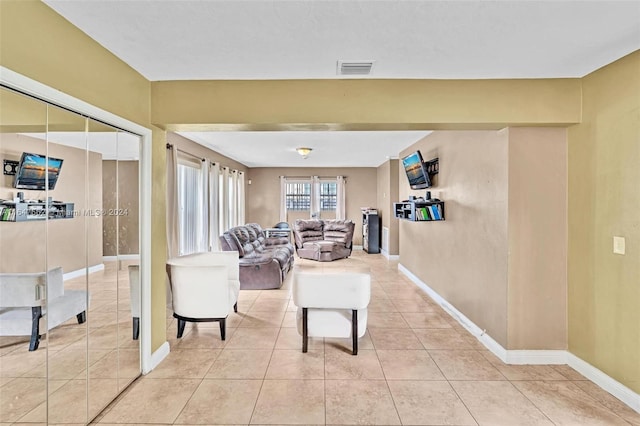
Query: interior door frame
[(28, 86)]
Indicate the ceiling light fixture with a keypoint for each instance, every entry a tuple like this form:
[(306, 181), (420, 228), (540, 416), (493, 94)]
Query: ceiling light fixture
[(304, 152)]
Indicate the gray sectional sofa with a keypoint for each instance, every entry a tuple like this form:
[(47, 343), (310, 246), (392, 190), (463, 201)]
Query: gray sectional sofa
[(323, 240), (264, 262)]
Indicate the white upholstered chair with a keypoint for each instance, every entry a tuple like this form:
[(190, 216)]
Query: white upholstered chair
[(26, 299), (331, 304), (205, 287)]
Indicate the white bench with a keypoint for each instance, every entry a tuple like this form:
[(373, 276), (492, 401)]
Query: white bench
[(332, 301), (26, 299)]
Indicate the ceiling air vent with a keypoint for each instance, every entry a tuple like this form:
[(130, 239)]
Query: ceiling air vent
[(354, 67)]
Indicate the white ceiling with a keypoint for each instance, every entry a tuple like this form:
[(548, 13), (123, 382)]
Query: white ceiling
[(330, 149), (266, 39), (200, 39)]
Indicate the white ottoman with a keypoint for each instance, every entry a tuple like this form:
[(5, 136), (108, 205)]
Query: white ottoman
[(332, 302)]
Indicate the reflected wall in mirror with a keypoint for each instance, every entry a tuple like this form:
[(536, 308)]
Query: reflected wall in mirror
[(67, 249), (127, 212), (23, 382)]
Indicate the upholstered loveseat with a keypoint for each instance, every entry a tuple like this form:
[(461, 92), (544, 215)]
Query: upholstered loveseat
[(264, 262), (323, 240)]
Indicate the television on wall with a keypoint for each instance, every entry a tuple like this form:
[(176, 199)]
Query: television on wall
[(33, 170), (416, 171)]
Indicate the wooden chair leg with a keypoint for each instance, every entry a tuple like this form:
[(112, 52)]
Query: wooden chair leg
[(305, 333), (36, 314), (223, 328), (181, 324), (136, 328), (354, 331)]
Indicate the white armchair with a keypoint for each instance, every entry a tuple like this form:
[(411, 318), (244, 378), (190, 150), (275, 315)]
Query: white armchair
[(205, 287), (331, 303), (26, 299)]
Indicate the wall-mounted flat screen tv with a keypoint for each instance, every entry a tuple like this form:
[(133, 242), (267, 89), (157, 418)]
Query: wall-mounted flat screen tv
[(32, 174), (416, 171)]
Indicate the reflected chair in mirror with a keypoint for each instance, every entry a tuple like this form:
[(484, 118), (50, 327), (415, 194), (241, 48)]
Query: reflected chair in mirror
[(28, 298), (205, 287), (134, 289)]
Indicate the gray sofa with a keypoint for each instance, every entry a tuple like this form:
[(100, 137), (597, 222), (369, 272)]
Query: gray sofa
[(264, 262), (323, 240)]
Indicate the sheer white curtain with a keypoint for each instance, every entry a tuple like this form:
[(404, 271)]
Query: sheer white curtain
[(240, 199), (340, 198), (315, 198), (283, 199), (214, 211), (172, 219), (233, 199), (202, 232), (224, 199)]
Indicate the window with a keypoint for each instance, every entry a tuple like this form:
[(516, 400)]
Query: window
[(298, 196), (191, 208), (328, 196)]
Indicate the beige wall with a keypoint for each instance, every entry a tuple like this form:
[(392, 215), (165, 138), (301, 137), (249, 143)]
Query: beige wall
[(159, 238), (120, 233), (387, 195), (363, 104), (39, 43), (537, 235), (263, 197), (500, 255), (464, 258), (22, 244), (604, 201)]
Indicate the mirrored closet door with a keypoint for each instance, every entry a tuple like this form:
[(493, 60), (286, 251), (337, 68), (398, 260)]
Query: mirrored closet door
[(69, 256)]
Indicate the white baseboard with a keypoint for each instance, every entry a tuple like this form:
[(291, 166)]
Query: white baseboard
[(607, 383), (389, 256), (158, 356), (80, 272), (355, 247), (557, 357), (538, 357), (121, 257)]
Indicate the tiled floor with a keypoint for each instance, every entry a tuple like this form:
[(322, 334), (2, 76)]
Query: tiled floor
[(416, 366), (101, 349)]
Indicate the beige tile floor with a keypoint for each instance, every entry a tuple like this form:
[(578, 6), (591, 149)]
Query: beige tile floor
[(416, 366), (99, 355)]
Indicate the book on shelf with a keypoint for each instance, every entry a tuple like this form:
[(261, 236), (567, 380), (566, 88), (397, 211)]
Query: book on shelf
[(8, 214), (435, 213)]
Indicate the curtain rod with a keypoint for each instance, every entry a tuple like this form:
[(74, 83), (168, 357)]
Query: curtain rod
[(170, 146)]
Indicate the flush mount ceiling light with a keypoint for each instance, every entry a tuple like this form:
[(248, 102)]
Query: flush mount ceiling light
[(304, 152)]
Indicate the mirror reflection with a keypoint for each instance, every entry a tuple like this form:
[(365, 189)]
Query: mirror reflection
[(23, 265), (73, 252)]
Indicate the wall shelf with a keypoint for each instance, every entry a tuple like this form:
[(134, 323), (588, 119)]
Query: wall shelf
[(25, 212), (419, 210)]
